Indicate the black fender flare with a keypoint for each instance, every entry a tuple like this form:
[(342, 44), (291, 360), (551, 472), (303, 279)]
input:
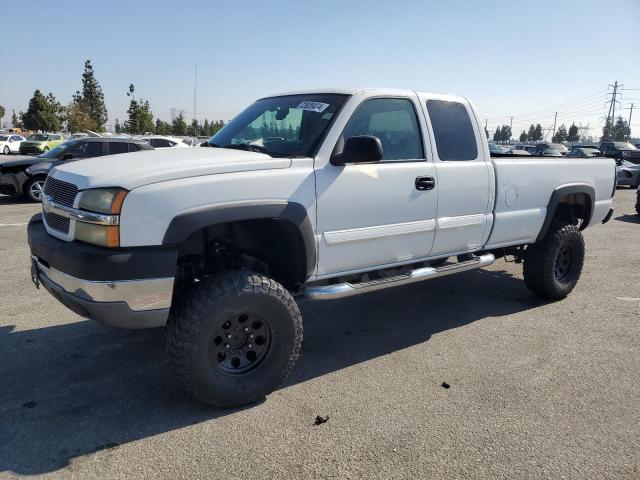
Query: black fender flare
[(556, 198), (190, 221)]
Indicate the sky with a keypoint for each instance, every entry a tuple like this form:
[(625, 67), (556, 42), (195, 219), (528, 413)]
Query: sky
[(511, 58)]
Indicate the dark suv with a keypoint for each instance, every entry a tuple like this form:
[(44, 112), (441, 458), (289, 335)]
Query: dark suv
[(621, 151), (26, 177)]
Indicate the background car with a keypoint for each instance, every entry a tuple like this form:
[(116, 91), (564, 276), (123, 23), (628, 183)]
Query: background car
[(549, 149), (628, 173), (26, 177), (584, 152), (40, 143), (494, 148), (517, 151), (621, 151), (10, 143), (528, 148), (161, 141)]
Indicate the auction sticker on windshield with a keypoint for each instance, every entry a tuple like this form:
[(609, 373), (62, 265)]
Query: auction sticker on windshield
[(313, 106)]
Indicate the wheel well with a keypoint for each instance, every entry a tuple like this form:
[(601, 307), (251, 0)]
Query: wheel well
[(574, 207), (571, 203), (30, 179), (270, 246)]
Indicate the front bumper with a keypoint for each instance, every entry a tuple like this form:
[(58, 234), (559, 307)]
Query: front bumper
[(9, 184), (124, 288), (31, 149)]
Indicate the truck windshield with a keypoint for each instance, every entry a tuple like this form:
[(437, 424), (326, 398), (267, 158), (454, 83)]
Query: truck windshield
[(624, 146), (291, 125)]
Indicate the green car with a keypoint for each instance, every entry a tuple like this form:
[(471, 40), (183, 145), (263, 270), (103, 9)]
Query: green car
[(39, 143)]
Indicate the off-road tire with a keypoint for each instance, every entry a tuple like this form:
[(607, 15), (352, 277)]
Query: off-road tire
[(542, 261), (208, 306)]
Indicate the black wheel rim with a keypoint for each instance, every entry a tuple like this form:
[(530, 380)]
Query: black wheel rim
[(241, 343), (564, 261)]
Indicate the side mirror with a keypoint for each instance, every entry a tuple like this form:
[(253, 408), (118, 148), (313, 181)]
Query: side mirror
[(359, 149)]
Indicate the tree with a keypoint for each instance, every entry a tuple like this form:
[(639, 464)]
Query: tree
[(621, 130), (91, 99), (44, 113), (523, 136), (560, 135), (2, 112), (118, 127), (162, 127), (15, 120), (79, 117), (537, 133), (497, 136), (505, 133), (193, 129), (573, 135), (140, 118), (179, 126)]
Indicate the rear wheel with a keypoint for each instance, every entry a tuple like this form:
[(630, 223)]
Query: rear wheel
[(34, 187), (234, 338), (552, 267), (6, 150)]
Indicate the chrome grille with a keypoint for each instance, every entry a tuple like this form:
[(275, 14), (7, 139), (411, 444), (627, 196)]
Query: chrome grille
[(60, 192), (57, 222)]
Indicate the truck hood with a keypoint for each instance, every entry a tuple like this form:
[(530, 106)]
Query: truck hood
[(131, 170)]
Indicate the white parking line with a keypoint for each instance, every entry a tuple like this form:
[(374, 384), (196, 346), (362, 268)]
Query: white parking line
[(13, 224), (628, 299)]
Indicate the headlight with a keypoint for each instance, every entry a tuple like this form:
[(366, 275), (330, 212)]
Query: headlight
[(102, 200), (102, 235), (107, 201)]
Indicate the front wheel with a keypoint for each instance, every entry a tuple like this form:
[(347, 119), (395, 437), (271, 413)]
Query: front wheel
[(6, 150), (233, 338), (552, 267), (34, 187)]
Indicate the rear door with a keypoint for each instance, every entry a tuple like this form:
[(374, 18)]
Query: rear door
[(465, 176)]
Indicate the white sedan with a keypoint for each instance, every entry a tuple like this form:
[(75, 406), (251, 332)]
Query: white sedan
[(10, 143), (160, 141)]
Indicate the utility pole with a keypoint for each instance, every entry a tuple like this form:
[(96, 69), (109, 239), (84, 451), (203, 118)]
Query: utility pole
[(555, 118), (630, 113), (195, 76)]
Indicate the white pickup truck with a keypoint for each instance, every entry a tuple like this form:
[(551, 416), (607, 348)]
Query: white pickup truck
[(317, 194)]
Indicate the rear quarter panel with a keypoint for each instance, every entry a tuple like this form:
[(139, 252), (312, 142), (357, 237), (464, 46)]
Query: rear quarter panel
[(524, 187)]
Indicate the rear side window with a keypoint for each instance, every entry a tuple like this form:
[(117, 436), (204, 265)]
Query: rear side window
[(455, 138), (133, 147), (161, 143), (118, 147)]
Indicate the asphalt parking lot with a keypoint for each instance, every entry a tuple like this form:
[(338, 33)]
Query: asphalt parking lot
[(536, 390)]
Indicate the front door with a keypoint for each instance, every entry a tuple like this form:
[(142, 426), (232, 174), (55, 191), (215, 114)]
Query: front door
[(378, 214)]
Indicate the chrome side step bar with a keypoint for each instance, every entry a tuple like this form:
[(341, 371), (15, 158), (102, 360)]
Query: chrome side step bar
[(346, 289)]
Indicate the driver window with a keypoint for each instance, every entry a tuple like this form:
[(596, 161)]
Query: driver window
[(394, 122)]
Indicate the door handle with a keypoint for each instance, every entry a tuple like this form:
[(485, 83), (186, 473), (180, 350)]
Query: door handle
[(425, 183)]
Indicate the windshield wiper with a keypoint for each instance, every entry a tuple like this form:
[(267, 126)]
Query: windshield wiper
[(248, 147)]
